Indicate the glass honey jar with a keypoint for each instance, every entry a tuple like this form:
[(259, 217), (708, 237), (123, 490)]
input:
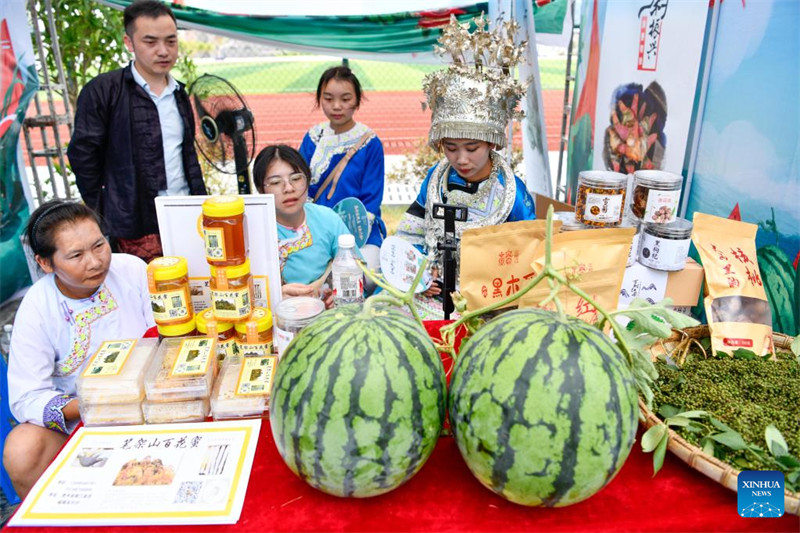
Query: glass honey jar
[(254, 337), (232, 292), (223, 230), (168, 282), (223, 331)]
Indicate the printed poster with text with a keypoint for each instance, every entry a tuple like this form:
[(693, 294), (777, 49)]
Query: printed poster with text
[(146, 475), (647, 77)]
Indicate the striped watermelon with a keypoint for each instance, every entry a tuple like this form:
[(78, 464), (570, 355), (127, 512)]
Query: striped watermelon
[(358, 401), (543, 409)]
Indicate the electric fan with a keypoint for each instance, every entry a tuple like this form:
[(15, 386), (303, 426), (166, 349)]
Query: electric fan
[(226, 127)]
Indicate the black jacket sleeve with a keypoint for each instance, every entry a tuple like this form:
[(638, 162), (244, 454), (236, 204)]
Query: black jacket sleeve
[(87, 148)]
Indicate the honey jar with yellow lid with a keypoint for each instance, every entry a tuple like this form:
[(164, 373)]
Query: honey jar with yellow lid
[(168, 282), (254, 336), (223, 230), (209, 326), (231, 292), (185, 329)]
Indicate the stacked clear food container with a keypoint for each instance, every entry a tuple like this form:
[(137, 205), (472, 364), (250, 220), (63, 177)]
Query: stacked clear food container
[(179, 379), (111, 388)]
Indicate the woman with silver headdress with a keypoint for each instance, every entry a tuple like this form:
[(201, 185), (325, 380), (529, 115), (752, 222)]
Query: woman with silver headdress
[(472, 102)]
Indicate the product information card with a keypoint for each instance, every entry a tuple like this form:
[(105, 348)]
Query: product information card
[(146, 475)]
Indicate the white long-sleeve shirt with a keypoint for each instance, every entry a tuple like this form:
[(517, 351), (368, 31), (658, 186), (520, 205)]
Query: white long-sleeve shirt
[(54, 336)]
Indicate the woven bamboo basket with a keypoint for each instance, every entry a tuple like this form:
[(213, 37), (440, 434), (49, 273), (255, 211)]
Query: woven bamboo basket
[(708, 465)]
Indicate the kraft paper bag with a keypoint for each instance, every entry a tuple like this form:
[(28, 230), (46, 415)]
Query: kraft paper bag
[(593, 260), (496, 261), (736, 305)]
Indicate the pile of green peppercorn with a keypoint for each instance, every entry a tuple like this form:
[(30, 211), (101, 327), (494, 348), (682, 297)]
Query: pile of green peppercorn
[(745, 394)]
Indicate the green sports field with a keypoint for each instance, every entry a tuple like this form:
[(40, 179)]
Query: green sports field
[(302, 76)]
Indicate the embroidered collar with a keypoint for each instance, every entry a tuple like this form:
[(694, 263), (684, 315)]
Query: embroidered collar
[(329, 144), (102, 303), (301, 239), (69, 305), (488, 206)]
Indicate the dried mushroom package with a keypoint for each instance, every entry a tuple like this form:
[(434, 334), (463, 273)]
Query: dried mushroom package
[(736, 304), (594, 260)]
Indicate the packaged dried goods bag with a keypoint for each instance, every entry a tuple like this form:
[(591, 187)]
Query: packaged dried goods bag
[(495, 261), (594, 260), (736, 304)]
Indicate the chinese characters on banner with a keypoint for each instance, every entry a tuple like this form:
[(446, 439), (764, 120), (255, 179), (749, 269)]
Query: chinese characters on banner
[(649, 63), (635, 85), (651, 16)]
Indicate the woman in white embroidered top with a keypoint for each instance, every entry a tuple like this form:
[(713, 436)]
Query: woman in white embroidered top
[(87, 296)]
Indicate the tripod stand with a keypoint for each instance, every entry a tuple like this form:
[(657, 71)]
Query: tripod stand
[(450, 214)]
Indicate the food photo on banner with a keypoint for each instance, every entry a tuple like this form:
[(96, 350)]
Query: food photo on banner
[(548, 356)]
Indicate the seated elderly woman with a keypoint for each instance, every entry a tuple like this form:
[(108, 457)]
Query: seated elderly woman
[(87, 296), (307, 233)]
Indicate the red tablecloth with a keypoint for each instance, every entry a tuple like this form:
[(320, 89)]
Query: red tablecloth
[(445, 497)]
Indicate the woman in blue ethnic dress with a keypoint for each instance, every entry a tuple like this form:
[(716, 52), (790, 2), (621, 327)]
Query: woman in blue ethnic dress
[(471, 108), (345, 156)]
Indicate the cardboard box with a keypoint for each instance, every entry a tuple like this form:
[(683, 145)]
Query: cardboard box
[(543, 202), (684, 286)]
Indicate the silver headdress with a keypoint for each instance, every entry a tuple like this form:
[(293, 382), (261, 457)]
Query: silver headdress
[(476, 96)]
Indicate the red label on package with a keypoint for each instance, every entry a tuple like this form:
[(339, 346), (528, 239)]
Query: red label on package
[(651, 17), (741, 343)]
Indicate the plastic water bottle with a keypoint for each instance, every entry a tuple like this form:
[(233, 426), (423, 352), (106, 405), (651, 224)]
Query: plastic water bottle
[(346, 276)]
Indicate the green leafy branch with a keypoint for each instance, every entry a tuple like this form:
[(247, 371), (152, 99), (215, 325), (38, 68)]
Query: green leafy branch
[(392, 295), (717, 438), (648, 322)]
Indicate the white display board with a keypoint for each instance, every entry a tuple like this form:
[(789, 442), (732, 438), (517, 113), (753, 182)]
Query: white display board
[(656, 48), (178, 223), (146, 475)]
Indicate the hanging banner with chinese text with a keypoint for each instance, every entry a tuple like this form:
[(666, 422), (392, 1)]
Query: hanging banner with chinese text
[(748, 152), (18, 83), (638, 75)]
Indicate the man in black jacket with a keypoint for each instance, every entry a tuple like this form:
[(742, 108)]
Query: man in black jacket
[(134, 134)]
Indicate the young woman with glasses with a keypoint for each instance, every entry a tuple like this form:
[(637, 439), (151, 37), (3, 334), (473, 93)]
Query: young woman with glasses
[(307, 232)]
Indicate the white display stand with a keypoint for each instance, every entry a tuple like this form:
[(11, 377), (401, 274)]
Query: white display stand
[(178, 223)]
